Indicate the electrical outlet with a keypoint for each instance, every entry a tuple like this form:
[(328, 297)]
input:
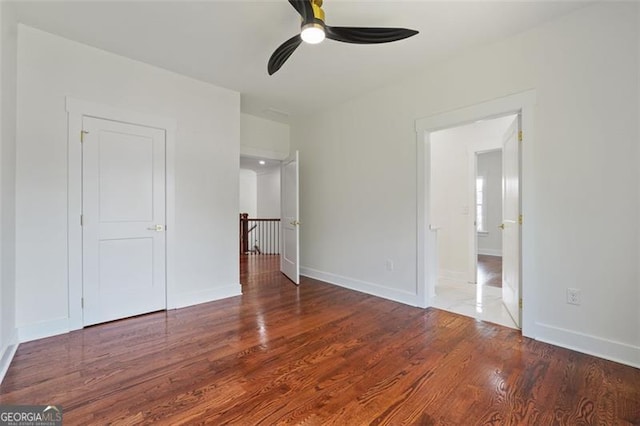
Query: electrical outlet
[(389, 265), (573, 296)]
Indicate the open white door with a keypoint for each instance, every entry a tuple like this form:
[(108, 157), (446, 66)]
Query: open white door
[(289, 221), (511, 221), (123, 208)]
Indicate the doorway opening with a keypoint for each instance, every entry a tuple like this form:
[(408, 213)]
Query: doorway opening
[(467, 187), (259, 216), (519, 295), (269, 216)]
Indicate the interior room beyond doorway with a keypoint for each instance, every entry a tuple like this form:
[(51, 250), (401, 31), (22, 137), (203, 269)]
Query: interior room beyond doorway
[(259, 207), (466, 210)]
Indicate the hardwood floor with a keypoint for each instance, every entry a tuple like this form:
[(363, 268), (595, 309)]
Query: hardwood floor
[(489, 270), (315, 354)]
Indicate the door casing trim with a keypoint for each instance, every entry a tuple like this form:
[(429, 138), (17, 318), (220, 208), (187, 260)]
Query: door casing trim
[(523, 103), (76, 110)]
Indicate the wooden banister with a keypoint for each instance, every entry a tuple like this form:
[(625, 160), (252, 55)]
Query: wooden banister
[(244, 233), (259, 235)]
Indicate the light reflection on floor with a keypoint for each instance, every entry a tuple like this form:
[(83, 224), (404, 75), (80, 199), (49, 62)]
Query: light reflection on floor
[(476, 301)]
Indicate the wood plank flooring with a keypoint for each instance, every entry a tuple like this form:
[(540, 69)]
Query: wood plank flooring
[(489, 270), (315, 355)]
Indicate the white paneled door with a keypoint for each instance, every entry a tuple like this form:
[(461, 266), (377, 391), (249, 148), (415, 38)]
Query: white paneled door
[(123, 220), (289, 221), (511, 221)]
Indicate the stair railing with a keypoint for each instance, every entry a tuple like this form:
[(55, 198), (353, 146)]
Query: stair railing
[(259, 236)]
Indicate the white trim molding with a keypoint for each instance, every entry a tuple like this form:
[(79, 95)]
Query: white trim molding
[(590, 345), (7, 356), (249, 151), (400, 296), (519, 103), (76, 109)]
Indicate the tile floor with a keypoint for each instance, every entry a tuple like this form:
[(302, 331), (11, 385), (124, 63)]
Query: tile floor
[(477, 301)]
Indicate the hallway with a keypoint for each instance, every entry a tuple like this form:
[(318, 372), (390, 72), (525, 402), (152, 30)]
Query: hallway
[(259, 270)]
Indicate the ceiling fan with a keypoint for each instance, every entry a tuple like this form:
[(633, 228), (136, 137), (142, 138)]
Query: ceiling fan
[(314, 30)]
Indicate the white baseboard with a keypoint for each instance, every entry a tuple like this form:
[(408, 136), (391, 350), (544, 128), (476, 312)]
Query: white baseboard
[(588, 344), (182, 300), (490, 252), (60, 326), (362, 286), (43, 329), (7, 355)]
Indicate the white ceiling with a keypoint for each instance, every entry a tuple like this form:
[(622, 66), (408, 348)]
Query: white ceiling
[(228, 43)]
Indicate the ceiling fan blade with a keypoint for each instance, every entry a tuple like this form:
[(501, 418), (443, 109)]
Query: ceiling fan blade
[(359, 35), (303, 7), (282, 53)]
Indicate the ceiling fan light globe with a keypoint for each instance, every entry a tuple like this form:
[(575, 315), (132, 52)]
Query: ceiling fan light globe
[(312, 33)]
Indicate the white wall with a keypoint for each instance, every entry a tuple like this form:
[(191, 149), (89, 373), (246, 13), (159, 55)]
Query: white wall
[(584, 69), (248, 192), (269, 194), (260, 193), (263, 138), (206, 170), (638, 160), (8, 70), (490, 168), (452, 208)]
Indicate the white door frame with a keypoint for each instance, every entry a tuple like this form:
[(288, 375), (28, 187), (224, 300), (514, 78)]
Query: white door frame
[(76, 109), (523, 103)]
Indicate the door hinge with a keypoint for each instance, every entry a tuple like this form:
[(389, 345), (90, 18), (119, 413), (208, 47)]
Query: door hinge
[(82, 302), (81, 220), (520, 303), (520, 136), (520, 220), (82, 133)]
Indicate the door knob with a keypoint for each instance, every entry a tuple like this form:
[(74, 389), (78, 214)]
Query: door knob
[(295, 223), (158, 228), (501, 226)]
